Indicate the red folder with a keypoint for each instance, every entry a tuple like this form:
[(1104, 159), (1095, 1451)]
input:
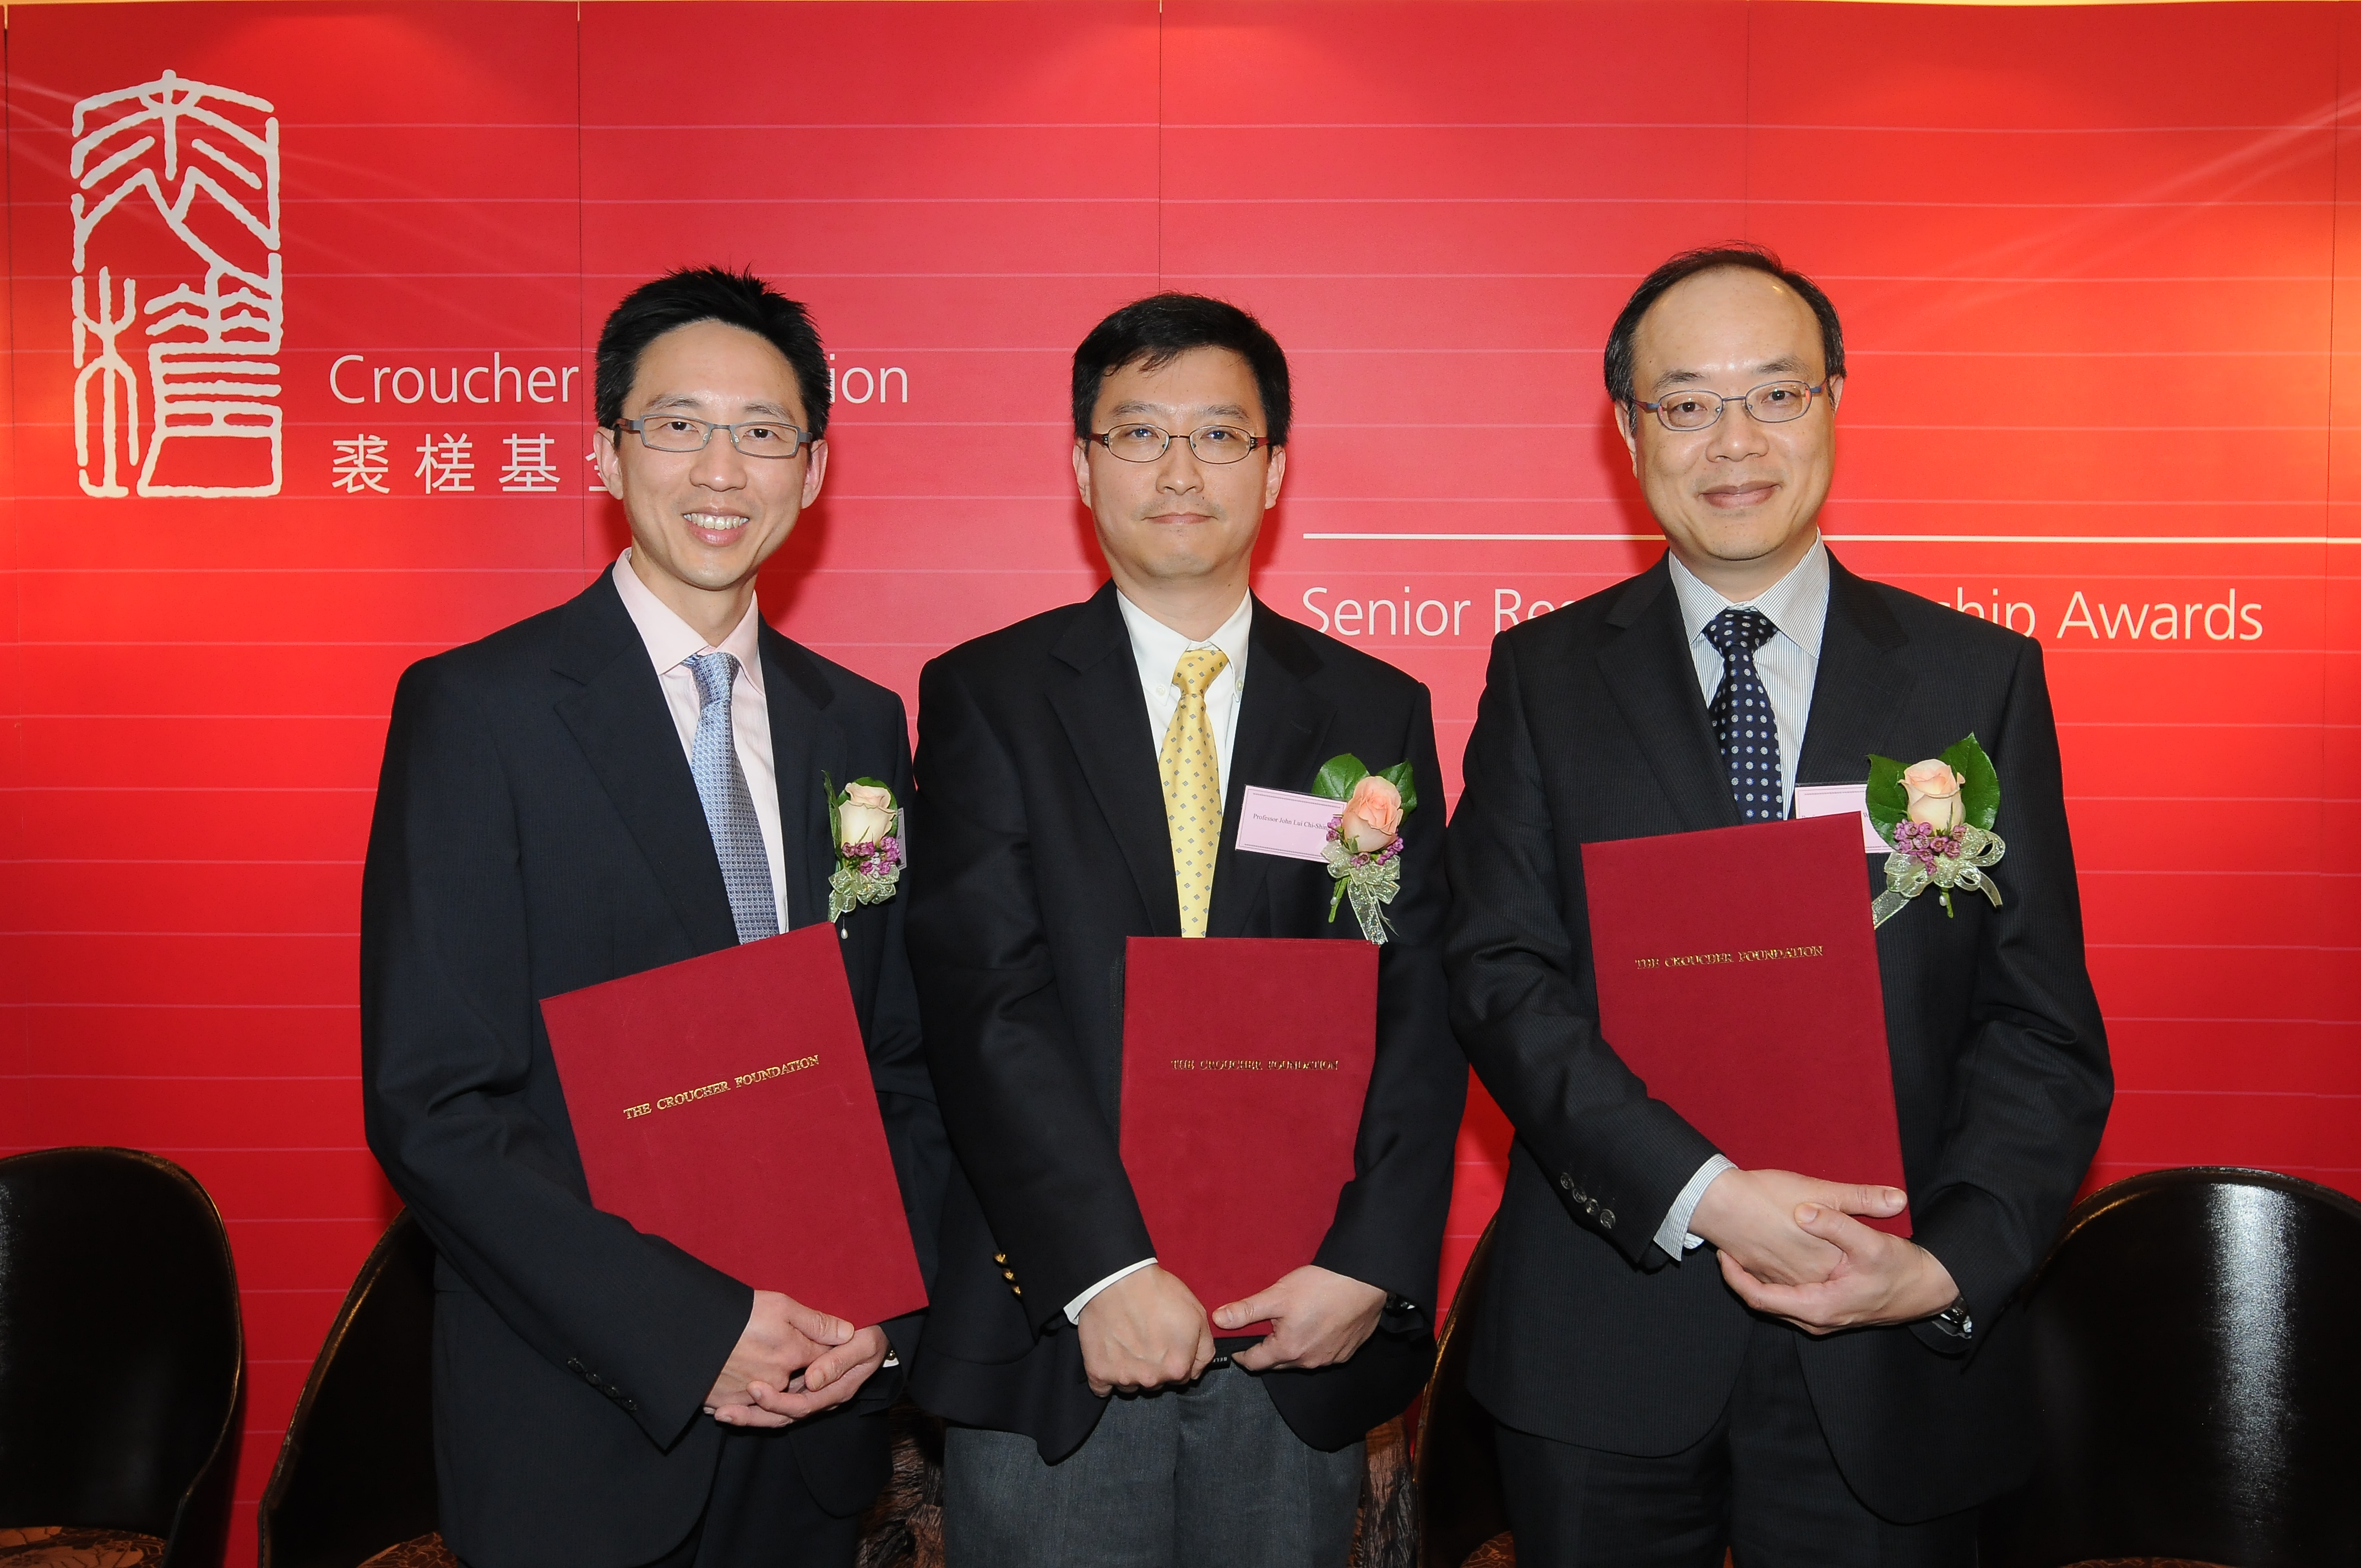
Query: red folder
[(724, 1104), (1245, 1064), (1737, 977)]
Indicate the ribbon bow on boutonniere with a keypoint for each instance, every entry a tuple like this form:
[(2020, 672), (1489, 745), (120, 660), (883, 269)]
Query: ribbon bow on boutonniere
[(864, 829), (1364, 847), (1937, 815)]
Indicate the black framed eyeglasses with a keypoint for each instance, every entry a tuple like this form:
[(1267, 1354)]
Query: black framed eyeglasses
[(1773, 402), (753, 438), (1146, 442)]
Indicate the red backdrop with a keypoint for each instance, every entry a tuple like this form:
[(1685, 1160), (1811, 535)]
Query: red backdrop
[(2098, 268)]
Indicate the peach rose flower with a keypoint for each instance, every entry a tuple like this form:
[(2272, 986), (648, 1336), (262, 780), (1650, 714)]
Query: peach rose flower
[(866, 816), (1934, 786), (1372, 817)]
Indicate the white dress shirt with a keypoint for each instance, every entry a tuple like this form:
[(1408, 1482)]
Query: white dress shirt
[(1155, 648), (671, 643), (1798, 604)]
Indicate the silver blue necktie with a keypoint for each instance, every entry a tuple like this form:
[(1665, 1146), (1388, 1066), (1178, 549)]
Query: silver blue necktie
[(729, 805)]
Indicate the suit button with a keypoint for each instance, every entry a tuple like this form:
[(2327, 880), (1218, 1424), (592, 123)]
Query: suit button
[(1590, 1207), (576, 1367), (632, 1406), (1017, 1289), (1607, 1219), (999, 1258), (1566, 1182), (1009, 1274)]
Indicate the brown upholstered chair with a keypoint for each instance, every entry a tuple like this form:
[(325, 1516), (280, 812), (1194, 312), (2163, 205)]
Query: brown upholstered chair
[(2199, 1377), (356, 1474), (1462, 1518), (121, 1355)]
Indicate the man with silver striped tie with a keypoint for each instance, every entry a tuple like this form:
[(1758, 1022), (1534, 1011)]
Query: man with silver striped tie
[(631, 779)]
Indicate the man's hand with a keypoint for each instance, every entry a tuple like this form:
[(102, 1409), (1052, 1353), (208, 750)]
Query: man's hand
[(1880, 1279), (1750, 1215), (1142, 1332), (1319, 1318), (783, 1336), (832, 1380)]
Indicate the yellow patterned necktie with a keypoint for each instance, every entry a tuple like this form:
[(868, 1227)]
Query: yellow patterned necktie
[(1191, 772)]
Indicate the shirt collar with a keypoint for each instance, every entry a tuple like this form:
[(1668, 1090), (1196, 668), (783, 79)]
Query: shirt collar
[(670, 639), (1798, 604), (1157, 648)]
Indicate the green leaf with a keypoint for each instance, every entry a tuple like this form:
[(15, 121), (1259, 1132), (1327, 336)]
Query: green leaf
[(1338, 776), (1886, 799), (1398, 775), (835, 798), (1980, 786)]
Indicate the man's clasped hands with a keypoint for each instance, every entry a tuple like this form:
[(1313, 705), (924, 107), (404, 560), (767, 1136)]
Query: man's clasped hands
[(1790, 1246)]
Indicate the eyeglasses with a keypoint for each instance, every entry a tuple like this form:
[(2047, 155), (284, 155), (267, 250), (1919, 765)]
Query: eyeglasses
[(1773, 402), (753, 438), (1145, 443)]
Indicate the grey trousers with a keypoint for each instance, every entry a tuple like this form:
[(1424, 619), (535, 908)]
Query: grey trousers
[(1206, 1476)]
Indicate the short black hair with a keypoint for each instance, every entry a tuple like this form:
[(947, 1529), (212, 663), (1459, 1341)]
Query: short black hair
[(1157, 330), (694, 294), (1688, 264)]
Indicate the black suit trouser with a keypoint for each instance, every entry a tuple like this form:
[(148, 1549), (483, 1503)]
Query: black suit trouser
[(1761, 1483), (760, 1513)]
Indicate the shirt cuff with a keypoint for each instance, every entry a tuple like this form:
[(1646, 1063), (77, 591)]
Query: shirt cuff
[(1075, 1308), (1673, 1236)]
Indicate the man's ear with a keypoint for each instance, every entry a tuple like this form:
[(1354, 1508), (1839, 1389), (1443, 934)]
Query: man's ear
[(1083, 469), (1835, 392), (1627, 424), (1270, 481), (611, 461), (815, 468)]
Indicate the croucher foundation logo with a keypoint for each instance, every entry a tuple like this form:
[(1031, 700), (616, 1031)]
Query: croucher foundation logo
[(176, 245)]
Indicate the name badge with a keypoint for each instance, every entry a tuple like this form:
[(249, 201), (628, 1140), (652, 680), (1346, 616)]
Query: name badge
[(1836, 800), (1279, 822)]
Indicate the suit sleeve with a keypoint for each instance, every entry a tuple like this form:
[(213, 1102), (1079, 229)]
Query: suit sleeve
[(1520, 1002), (1389, 1226), (1028, 1129), (2033, 1091), (449, 1034), (905, 1094)]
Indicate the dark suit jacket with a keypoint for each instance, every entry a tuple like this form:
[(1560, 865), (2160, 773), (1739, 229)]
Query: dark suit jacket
[(537, 830), (1592, 728), (1040, 845)]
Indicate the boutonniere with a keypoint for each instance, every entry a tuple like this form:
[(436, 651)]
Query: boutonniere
[(1364, 847), (1937, 815), (862, 823)]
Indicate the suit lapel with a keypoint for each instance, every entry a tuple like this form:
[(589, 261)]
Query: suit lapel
[(1280, 727), (1105, 719), (620, 720), (805, 743), (1861, 684), (1654, 683)]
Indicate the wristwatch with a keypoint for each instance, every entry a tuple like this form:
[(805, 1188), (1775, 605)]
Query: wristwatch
[(1954, 1320)]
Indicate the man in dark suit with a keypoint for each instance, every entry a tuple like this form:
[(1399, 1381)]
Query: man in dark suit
[(1076, 772), (1657, 1403), (628, 780)]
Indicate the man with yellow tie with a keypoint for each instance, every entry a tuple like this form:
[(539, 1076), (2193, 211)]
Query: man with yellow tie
[(1075, 775)]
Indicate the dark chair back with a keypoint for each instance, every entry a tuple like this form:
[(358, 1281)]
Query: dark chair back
[(2199, 1375), (356, 1474), (120, 1348), (1458, 1472)]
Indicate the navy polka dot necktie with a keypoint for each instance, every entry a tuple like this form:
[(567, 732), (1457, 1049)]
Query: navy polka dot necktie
[(1742, 720)]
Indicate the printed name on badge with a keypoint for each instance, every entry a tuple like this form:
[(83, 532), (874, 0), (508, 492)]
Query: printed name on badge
[(1835, 800), (1279, 822)]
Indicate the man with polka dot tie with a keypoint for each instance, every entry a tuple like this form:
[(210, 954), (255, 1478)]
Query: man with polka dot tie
[(1079, 781), (1658, 1341)]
